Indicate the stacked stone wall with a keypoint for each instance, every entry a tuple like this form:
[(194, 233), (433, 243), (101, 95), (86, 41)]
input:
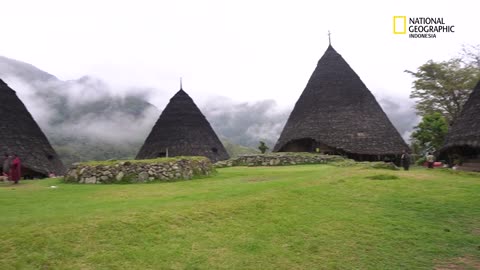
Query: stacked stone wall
[(278, 159), (139, 171)]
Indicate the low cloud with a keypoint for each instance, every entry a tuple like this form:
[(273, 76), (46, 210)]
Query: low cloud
[(89, 109), (28, 94), (402, 114), (95, 112), (115, 128), (246, 123)]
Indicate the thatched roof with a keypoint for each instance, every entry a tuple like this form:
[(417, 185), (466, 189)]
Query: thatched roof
[(21, 135), (336, 109), (184, 131), (465, 131)]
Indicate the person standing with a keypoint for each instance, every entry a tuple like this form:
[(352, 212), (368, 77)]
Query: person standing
[(405, 160), (430, 160), (15, 169), (7, 162)]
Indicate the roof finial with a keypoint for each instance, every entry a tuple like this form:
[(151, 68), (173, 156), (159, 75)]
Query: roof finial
[(329, 39), (181, 88)]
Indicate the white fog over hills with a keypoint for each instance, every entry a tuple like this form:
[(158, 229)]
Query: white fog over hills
[(88, 119)]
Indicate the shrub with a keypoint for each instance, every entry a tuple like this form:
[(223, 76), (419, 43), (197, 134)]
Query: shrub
[(420, 161)]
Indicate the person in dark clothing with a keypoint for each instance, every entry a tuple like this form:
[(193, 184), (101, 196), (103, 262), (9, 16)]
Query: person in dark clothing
[(405, 160), (6, 163)]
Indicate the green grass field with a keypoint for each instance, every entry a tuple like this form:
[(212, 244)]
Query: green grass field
[(293, 217)]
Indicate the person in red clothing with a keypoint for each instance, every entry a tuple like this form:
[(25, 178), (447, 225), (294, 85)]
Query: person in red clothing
[(15, 169)]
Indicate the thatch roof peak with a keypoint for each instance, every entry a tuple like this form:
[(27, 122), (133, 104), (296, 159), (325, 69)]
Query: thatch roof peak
[(181, 93), (5, 86), (330, 48)]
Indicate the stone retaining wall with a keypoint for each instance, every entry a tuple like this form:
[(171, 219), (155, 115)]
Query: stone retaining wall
[(139, 171), (278, 159)]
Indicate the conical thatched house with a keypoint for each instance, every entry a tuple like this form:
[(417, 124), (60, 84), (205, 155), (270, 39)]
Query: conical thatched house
[(337, 114), (182, 130), (21, 135), (462, 143)]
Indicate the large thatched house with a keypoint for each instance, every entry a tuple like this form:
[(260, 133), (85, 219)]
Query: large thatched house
[(182, 130), (462, 143), (21, 135), (337, 114)]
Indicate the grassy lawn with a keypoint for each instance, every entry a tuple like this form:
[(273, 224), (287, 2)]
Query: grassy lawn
[(293, 217)]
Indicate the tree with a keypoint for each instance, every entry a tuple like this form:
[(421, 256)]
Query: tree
[(262, 147), (444, 87), (430, 132), (471, 55)]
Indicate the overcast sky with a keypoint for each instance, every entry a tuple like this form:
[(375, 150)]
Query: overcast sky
[(243, 50)]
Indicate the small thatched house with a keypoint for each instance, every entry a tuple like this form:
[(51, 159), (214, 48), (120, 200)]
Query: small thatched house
[(21, 135), (462, 143), (337, 114), (182, 130)]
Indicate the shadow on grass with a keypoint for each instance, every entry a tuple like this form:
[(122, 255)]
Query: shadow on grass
[(383, 177)]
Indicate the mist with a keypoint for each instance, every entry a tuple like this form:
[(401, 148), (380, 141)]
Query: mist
[(401, 113), (90, 116), (244, 123), (247, 123), (86, 108)]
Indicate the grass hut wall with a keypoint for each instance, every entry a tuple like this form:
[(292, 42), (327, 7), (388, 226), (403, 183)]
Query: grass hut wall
[(463, 139), (21, 135), (182, 130), (337, 114)]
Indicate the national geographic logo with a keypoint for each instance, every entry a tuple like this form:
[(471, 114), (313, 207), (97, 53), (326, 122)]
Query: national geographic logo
[(421, 27)]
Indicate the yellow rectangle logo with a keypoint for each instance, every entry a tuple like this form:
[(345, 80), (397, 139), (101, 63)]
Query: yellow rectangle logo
[(399, 24)]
